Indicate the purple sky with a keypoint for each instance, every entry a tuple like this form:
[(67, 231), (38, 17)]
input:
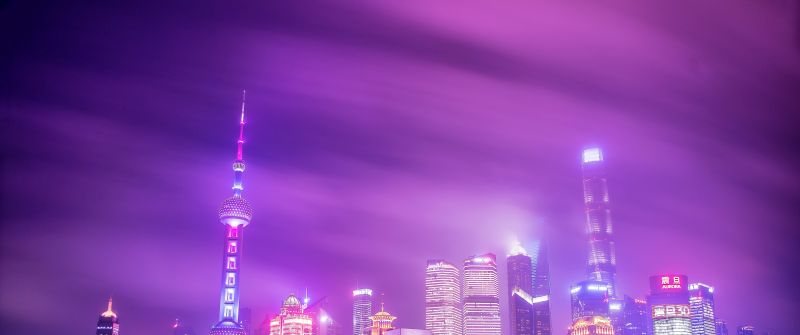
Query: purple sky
[(381, 135)]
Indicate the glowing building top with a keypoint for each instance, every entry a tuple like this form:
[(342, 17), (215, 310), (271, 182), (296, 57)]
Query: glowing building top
[(235, 213), (381, 322), (602, 260), (108, 324), (292, 319), (362, 310)]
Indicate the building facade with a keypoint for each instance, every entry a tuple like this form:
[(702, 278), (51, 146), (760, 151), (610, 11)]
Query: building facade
[(291, 320), (668, 305), (589, 298), (746, 330), (591, 325), (481, 296), (409, 331), (520, 289), (108, 323), (381, 323), (601, 265), (701, 304), (628, 316), (362, 310), (541, 289), (235, 214), (722, 327), (443, 298)]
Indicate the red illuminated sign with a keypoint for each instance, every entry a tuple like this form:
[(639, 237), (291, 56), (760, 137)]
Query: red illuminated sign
[(671, 311), (668, 283)]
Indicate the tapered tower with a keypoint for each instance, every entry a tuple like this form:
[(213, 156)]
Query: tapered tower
[(602, 264), (235, 214)]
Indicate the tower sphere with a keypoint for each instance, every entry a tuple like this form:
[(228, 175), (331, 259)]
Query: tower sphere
[(235, 211)]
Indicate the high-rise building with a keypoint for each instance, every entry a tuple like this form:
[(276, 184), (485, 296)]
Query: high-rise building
[(541, 289), (481, 296), (668, 305), (746, 330), (628, 316), (381, 323), (722, 327), (443, 298), (589, 298), (602, 261), (178, 328), (362, 310), (291, 320), (520, 289), (235, 214), (701, 304), (246, 320), (108, 324), (408, 331), (591, 325)]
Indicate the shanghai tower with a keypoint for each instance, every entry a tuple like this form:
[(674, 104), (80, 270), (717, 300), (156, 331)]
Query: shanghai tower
[(602, 259), (235, 214)]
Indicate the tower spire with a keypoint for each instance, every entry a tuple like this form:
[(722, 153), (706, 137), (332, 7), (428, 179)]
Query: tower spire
[(109, 312), (240, 142)]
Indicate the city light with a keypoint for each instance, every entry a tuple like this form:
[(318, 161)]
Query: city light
[(363, 291), (592, 155)]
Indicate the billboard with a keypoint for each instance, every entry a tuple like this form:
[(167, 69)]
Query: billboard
[(670, 311), (669, 283)]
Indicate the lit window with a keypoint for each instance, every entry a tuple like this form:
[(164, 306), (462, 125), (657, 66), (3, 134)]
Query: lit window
[(230, 279), (228, 311), (229, 294), (231, 263), (233, 232), (232, 247)]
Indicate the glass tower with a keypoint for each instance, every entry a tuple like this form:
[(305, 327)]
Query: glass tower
[(601, 265), (701, 303), (362, 310), (443, 298), (541, 289), (481, 296), (520, 289)]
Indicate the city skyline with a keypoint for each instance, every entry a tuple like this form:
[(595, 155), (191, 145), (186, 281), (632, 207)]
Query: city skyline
[(380, 136)]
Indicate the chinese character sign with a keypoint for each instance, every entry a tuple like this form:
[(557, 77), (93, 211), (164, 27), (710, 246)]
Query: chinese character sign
[(668, 283)]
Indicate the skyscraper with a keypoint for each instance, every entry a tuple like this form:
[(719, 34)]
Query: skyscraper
[(589, 298), (291, 320), (541, 289), (381, 323), (632, 314), (443, 298), (235, 214), (481, 296), (520, 290), (701, 304), (362, 310), (591, 325), (108, 324), (722, 327), (668, 305), (602, 258), (746, 330)]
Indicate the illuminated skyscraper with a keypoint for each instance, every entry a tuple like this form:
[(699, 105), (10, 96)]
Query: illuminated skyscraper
[(443, 298), (628, 316), (481, 296), (381, 323), (108, 324), (701, 304), (235, 214), (318, 311), (291, 320), (722, 327), (589, 298), (362, 310), (746, 330), (541, 289), (591, 325), (668, 305), (520, 289), (602, 258)]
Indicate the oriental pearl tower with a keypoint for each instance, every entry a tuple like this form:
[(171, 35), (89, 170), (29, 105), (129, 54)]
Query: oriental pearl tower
[(235, 214)]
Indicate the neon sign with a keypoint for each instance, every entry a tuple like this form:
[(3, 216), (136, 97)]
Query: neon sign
[(668, 283), (671, 311)]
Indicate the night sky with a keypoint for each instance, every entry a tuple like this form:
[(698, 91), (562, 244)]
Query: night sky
[(382, 134)]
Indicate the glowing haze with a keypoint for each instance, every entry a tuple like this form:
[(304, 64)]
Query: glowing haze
[(381, 135)]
